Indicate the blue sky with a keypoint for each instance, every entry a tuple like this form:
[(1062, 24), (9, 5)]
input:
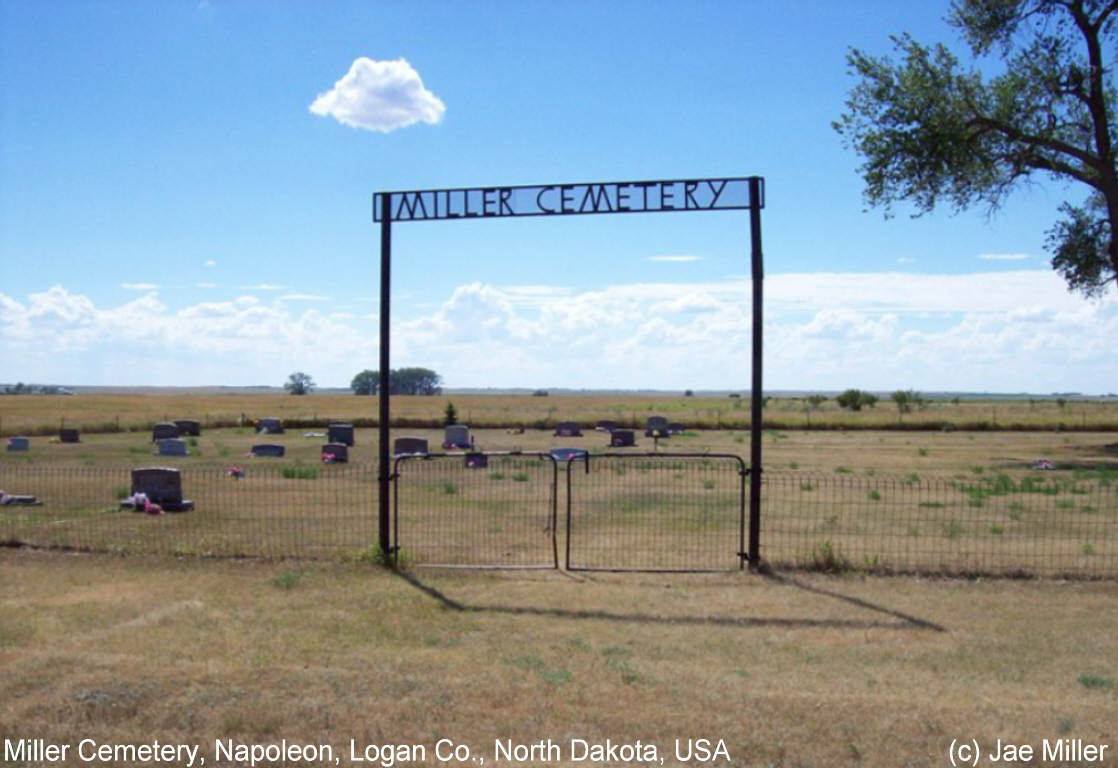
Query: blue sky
[(185, 199)]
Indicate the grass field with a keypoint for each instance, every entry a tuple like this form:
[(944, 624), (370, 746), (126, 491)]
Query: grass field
[(43, 415), (787, 671)]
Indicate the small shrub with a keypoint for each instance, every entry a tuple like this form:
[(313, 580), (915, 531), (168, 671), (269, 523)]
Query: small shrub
[(922, 451), (450, 489), (952, 529), (497, 476), (807, 487), (520, 477), (844, 470), (288, 579), (298, 472), (996, 529), (708, 485), (1088, 548), (1097, 682), (826, 557), (874, 496)]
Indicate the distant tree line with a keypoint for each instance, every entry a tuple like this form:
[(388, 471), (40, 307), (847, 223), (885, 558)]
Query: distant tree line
[(20, 388), (401, 381)]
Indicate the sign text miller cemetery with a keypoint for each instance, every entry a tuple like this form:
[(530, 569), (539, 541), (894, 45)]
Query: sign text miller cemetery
[(566, 199)]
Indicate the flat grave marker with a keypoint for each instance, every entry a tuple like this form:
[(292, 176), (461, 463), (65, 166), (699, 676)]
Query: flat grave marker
[(269, 450)]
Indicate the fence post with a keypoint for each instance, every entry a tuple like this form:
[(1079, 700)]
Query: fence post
[(755, 405), (383, 473)]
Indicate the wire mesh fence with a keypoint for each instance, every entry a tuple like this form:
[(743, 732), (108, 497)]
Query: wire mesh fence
[(671, 512), (476, 510), (992, 524), (649, 512), (276, 511)]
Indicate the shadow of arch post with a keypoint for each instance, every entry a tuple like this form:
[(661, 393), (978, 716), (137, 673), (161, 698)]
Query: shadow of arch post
[(729, 193)]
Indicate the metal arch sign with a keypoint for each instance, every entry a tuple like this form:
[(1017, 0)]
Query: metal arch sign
[(666, 196), (721, 194)]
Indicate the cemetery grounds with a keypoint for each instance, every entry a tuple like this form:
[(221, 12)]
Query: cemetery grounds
[(791, 668)]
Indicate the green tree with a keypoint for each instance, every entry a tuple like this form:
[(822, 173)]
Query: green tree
[(931, 131), (366, 383), (414, 381), (450, 414), (856, 399), (299, 383), (906, 400)]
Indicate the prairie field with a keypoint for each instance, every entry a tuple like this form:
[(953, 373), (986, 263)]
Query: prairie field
[(308, 642), (803, 670), (137, 411)]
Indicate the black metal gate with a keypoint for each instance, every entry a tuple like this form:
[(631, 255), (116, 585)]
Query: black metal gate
[(476, 510), (656, 512)]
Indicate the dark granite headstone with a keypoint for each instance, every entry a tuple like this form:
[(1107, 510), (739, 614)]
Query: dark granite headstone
[(457, 436), (162, 486), (476, 461), (269, 426), (189, 427), (675, 428), (405, 446), (335, 453), (621, 438), (268, 449), (568, 429), (164, 431), (69, 436), (340, 433), (656, 426), (172, 446), (19, 444)]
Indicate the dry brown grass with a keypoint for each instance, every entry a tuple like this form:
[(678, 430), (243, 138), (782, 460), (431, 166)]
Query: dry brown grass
[(41, 415), (810, 671)]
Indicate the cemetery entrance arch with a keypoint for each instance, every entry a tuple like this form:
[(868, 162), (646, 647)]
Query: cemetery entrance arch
[(660, 196)]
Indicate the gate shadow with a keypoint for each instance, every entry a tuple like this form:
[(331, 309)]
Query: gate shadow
[(897, 620)]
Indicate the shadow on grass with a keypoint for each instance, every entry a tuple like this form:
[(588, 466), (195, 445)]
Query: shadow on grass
[(898, 620)]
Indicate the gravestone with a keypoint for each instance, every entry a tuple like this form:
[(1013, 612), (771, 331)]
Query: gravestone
[(656, 426), (189, 427), (19, 444), (606, 425), (621, 438), (340, 433), (268, 449), (568, 429), (564, 455), (457, 436), (69, 436), (269, 426), (476, 461), (172, 446), (164, 431), (676, 428), (13, 499), (410, 446), (162, 486), (335, 453)]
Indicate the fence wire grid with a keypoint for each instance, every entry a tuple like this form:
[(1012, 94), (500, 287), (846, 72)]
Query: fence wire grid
[(639, 512)]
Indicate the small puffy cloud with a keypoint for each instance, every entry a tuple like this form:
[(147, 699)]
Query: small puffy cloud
[(379, 96), (1004, 256), (140, 286), (264, 287), (210, 262), (303, 297)]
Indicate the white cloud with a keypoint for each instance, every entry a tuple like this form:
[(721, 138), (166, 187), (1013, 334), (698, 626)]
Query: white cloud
[(680, 258), (264, 287), (1005, 331), (303, 297), (210, 263), (380, 96), (140, 286), (1004, 256)]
